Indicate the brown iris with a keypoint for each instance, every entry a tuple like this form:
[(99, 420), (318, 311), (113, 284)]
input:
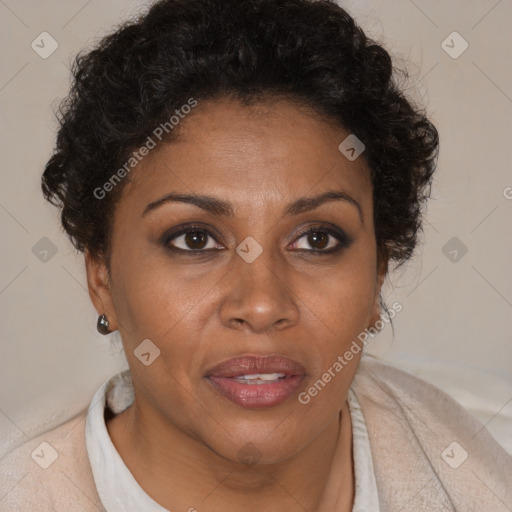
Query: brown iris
[(318, 240), (196, 239)]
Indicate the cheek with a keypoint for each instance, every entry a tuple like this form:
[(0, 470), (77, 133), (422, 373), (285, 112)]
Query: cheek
[(151, 293), (155, 303), (343, 294), (343, 304), (155, 299), (343, 300), (342, 307), (348, 300)]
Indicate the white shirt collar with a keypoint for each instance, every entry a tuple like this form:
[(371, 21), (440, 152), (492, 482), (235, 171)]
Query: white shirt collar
[(366, 494), (118, 489)]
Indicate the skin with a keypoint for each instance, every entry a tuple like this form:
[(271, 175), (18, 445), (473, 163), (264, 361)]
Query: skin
[(180, 438)]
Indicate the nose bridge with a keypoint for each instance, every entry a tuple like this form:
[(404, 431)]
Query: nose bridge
[(258, 295), (264, 276)]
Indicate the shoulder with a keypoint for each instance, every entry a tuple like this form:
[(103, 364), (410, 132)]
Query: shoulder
[(50, 472), (420, 435), (422, 403)]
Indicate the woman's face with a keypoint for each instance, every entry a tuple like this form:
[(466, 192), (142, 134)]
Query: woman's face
[(241, 169)]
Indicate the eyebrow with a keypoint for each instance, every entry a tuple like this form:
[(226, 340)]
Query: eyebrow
[(219, 207)]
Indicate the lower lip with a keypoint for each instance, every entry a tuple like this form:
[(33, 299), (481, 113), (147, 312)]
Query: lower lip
[(257, 396)]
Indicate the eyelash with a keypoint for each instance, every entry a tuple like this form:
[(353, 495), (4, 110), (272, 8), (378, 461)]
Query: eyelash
[(344, 240)]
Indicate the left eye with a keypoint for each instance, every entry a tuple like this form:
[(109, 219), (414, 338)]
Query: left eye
[(318, 240), (194, 241)]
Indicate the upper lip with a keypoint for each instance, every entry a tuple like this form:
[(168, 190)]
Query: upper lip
[(251, 364)]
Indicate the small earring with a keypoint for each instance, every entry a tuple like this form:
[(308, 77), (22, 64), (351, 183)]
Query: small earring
[(103, 324)]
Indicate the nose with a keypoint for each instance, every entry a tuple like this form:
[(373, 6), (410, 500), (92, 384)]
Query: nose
[(257, 297)]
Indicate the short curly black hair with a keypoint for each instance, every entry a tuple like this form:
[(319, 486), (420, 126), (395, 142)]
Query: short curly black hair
[(303, 50)]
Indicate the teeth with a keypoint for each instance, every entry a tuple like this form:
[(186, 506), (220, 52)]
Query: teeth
[(259, 378), (262, 376)]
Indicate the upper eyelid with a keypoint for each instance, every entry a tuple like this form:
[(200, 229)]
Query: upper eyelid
[(341, 236), (171, 234)]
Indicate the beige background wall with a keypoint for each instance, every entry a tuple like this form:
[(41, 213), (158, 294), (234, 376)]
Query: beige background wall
[(455, 328)]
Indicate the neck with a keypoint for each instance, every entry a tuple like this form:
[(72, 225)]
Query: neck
[(181, 473)]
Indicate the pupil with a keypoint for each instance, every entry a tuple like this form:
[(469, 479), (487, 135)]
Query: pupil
[(318, 240), (195, 239)]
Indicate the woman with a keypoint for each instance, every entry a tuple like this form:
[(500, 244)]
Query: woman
[(240, 175)]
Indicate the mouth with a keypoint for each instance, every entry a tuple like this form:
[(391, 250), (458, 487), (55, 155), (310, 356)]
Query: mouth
[(257, 382)]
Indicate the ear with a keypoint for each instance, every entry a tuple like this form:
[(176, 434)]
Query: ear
[(382, 269), (98, 283)]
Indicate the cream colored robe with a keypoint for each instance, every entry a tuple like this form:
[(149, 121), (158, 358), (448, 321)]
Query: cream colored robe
[(412, 428)]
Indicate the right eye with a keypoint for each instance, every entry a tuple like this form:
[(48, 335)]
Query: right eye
[(194, 240)]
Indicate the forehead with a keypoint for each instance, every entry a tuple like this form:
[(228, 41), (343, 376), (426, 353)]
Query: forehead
[(266, 153)]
